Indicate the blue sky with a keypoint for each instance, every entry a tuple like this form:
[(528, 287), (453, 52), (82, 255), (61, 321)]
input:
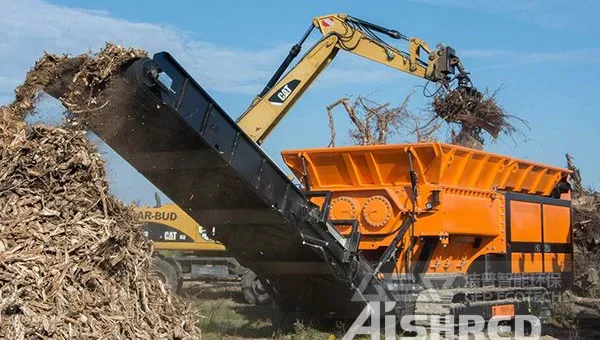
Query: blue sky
[(542, 53)]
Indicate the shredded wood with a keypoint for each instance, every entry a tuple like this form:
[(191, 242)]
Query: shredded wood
[(74, 264)]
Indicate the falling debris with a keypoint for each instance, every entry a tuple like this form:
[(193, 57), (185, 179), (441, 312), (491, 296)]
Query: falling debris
[(576, 184), (474, 113), (78, 82), (74, 263)]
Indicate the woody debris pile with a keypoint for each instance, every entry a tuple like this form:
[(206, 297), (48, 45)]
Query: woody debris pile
[(73, 262)]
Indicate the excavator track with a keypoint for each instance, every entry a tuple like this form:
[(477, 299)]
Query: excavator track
[(169, 129)]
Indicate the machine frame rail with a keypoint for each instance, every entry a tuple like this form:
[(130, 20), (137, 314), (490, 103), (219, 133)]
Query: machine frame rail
[(257, 168), (168, 128)]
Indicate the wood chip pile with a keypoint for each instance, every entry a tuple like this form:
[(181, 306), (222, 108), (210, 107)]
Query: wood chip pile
[(73, 261)]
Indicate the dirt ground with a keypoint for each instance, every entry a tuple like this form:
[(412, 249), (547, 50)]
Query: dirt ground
[(223, 314)]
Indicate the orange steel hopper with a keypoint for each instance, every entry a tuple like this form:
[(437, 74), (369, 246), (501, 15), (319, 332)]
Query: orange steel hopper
[(461, 200), (435, 163)]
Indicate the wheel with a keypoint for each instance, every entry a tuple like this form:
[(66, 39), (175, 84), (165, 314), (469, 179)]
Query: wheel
[(253, 290), (167, 274)]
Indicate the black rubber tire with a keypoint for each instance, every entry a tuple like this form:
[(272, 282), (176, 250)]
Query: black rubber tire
[(167, 273), (253, 290)]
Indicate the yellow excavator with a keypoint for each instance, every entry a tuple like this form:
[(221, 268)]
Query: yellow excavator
[(185, 251), (198, 256)]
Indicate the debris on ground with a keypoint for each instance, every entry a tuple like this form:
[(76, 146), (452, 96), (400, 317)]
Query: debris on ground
[(73, 262), (572, 314), (580, 308), (586, 238), (474, 113)]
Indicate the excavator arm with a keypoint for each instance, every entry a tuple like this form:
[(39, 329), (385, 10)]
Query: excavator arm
[(344, 32)]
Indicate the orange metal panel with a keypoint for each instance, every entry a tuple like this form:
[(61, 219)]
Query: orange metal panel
[(460, 253), (525, 222), (527, 263), (435, 163), (350, 164), (471, 215), (555, 262), (557, 224)]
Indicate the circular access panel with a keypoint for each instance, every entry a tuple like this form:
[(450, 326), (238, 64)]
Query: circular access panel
[(343, 208), (377, 211)]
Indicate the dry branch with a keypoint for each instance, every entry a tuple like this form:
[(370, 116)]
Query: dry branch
[(373, 123), (474, 113)]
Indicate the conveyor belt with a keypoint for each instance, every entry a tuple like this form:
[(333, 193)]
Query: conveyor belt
[(175, 134)]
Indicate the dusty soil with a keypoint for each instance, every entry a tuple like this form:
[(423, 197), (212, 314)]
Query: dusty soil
[(223, 314)]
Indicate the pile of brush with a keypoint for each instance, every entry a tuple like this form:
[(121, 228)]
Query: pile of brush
[(74, 264), (474, 113), (585, 214), (586, 237), (582, 309)]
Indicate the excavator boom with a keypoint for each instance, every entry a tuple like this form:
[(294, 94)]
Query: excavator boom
[(343, 32)]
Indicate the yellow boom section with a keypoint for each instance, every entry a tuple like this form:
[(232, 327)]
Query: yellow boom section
[(341, 32)]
